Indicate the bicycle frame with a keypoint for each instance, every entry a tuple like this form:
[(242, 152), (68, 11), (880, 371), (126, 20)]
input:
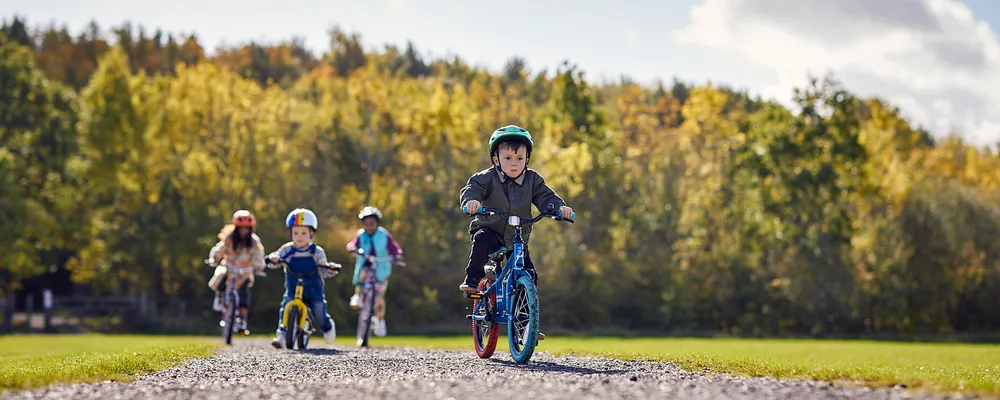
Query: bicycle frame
[(513, 268), (297, 301), (301, 305), (231, 299), (369, 293)]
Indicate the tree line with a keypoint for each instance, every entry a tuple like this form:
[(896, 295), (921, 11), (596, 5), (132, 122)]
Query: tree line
[(699, 208)]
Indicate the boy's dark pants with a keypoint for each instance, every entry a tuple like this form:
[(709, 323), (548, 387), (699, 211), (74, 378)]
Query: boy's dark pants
[(485, 241)]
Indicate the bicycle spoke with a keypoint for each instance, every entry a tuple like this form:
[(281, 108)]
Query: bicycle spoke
[(520, 315)]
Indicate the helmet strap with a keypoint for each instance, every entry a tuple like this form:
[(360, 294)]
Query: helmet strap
[(500, 170)]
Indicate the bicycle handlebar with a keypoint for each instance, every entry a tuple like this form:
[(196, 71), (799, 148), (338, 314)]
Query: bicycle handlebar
[(360, 252), (551, 212), (329, 265), (238, 271)]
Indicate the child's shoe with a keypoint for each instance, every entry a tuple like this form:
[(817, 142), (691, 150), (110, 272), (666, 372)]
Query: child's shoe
[(354, 302), (217, 303), (279, 341), (379, 326), (467, 289), (330, 335)]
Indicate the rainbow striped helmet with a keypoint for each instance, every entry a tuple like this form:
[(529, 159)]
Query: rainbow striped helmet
[(301, 217)]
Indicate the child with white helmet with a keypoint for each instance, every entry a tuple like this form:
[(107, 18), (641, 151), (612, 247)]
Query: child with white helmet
[(375, 240), (302, 256)]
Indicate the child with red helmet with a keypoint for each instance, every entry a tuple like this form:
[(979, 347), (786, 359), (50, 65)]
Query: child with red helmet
[(238, 247)]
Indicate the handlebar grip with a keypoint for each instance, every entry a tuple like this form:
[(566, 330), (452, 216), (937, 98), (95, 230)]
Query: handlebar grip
[(481, 210)]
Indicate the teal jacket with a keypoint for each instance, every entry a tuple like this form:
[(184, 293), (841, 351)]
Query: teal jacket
[(383, 245)]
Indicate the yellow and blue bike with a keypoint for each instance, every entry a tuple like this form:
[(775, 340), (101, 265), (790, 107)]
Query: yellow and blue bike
[(297, 320), (512, 299)]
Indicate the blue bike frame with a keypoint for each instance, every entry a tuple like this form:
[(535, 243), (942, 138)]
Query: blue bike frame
[(513, 268)]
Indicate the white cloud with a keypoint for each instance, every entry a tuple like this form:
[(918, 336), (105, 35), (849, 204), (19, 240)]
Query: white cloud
[(932, 57), (399, 5), (631, 36)]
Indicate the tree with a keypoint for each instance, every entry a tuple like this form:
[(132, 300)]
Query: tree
[(37, 207)]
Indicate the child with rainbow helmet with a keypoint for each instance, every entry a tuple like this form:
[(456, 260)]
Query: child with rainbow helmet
[(302, 256)]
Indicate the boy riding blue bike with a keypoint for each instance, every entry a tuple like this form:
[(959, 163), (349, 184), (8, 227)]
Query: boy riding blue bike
[(508, 185), (302, 256)]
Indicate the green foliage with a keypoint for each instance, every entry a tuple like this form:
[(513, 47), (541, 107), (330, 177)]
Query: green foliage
[(699, 208)]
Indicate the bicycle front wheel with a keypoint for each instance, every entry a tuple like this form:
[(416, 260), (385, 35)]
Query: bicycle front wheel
[(365, 316), (522, 329), (230, 320), (292, 330)]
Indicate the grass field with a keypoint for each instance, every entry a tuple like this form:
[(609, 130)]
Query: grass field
[(32, 361), (939, 367)]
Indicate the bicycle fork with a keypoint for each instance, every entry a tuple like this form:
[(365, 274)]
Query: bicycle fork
[(296, 302)]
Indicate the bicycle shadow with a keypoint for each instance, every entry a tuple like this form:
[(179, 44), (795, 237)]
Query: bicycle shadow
[(545, 366), (321, 352)]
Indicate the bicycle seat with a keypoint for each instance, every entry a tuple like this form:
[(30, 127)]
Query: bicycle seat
[(499, 254)]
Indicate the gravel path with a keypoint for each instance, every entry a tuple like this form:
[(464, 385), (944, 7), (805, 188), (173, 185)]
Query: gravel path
[(253, 370)]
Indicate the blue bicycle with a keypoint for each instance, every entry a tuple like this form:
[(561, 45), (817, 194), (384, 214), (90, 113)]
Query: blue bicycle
[(512, 299)]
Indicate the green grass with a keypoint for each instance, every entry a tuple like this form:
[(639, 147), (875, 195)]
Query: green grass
[(33, 361), (937, 367)]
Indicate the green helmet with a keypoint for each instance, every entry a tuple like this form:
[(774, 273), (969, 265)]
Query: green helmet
[(510, 132)]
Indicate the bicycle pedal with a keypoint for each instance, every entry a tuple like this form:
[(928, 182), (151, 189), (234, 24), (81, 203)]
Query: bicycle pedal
[(475, 296), (468, 316)]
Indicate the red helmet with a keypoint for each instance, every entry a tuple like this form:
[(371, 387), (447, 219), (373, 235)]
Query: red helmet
[(243, 218)]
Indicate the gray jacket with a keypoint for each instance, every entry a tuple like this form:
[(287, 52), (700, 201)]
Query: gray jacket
[(515, 197)]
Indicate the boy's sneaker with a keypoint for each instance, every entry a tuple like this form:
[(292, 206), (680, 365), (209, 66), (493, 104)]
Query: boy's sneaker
[(279, 341), (467, 289), (217, 303), (541, 336), (354, 302), (330, 335), (379, 326)]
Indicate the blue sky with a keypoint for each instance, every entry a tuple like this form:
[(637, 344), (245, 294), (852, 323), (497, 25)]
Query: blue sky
[(914, 52)]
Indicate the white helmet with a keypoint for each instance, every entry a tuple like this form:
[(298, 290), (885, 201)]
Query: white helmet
[(301, 217), (370, 211)]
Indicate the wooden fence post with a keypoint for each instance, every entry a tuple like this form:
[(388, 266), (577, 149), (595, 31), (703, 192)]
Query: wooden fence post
[(47, 309), (29, 307), (8, 313)]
